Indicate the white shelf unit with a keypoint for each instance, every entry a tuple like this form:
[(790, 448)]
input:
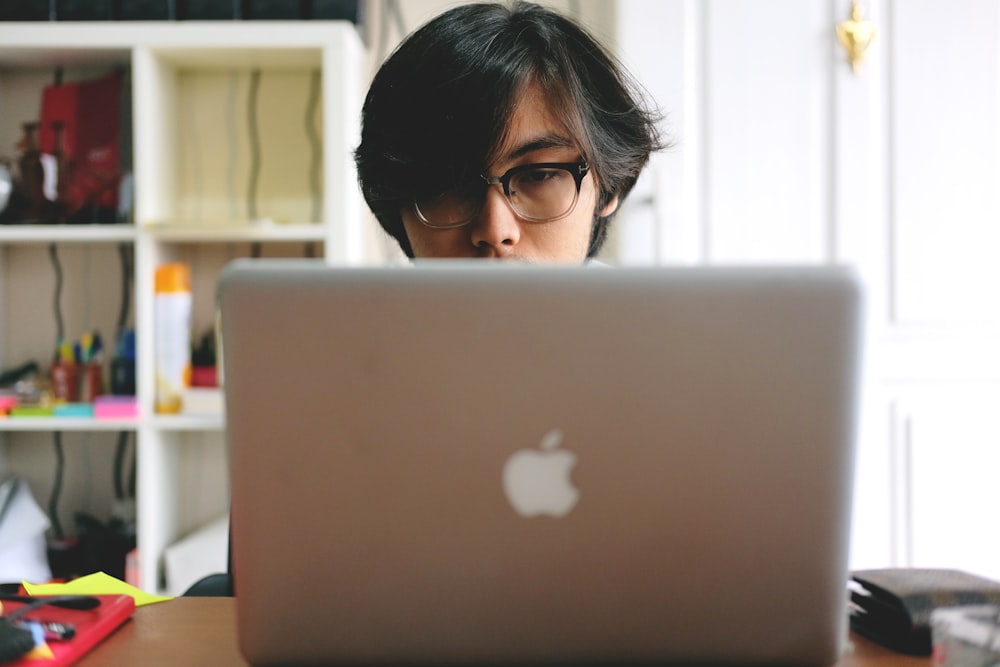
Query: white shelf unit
[(242, 135)]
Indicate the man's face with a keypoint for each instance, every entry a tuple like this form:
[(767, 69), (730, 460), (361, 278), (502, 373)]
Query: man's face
[(497, 231)]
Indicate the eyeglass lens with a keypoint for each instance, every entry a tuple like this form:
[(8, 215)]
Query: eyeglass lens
[(538, 194)]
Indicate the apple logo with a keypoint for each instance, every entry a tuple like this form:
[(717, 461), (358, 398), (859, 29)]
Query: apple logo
[(537, 481)]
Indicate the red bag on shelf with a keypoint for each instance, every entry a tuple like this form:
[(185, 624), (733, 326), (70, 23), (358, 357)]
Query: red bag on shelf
[(81, 126)]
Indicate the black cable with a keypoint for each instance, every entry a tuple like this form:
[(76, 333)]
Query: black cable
[(254, 144), (131, 472), (255, 248), (124, 488), (125, 255), (119, 466), (57, 485), (315, 156), (57, 436), (315, 146), (78, 602), (57, 306)]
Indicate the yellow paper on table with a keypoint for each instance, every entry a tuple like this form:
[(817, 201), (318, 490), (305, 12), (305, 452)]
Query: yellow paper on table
[(98, 583)]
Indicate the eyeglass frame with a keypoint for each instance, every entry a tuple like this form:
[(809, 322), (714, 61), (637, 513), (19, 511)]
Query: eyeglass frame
[(578, 170)]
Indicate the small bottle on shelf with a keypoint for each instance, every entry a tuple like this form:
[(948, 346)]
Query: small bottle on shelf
[(172, 335)]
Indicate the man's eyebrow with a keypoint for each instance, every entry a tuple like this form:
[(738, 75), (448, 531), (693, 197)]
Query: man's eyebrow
[(539, 143)]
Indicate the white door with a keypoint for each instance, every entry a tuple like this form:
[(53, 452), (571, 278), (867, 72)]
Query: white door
[(784, 154)]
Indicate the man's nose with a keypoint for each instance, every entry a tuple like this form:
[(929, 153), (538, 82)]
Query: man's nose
[(496, 230)]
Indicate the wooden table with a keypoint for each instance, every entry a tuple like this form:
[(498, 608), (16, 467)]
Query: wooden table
[(202, 631)]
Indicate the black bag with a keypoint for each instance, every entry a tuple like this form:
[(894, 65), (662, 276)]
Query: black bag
[(893, 606)]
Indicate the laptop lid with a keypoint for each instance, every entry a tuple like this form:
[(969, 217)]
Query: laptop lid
[(456, 463)]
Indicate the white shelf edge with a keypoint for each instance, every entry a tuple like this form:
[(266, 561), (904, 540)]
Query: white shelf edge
[(116, 233), (169, 423), (79, 424), (222, 233), (164, 423)]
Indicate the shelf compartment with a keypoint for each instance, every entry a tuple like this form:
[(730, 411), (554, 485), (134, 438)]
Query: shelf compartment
[(236, 135), (90, 173)]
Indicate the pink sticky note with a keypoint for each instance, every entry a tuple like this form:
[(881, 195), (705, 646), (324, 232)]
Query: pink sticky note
[(115, 407)]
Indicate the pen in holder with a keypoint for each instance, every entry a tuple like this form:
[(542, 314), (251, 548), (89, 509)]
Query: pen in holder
[(77, 372)]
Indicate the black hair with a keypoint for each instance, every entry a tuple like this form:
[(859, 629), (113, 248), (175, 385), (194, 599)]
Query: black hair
[(438, 109)]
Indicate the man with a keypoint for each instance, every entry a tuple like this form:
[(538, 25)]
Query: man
[(502, 132)]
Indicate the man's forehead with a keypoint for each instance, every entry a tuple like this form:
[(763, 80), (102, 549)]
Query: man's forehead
[(536, 123), (541, 142)]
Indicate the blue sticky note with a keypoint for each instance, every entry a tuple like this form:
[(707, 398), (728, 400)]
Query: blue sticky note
[(74, 410)]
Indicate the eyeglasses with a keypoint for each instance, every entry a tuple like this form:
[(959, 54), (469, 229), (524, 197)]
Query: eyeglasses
[(542, 192)]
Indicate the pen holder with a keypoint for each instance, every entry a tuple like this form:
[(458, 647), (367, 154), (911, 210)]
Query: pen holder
[(66, 381), (91, 382)]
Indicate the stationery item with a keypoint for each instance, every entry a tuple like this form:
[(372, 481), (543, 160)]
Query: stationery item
[(109, 406), (97, 584), (172, 335), (86, 345), (66, 381), (64, 601), (32, 411), (74, 410), (91, 381), (408, 437), (893, 606), (77, 373), (89, 627)]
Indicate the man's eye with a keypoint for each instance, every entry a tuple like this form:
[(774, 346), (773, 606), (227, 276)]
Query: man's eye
[(539, 175)]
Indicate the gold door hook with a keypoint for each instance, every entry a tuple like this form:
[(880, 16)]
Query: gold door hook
[(856, 36)]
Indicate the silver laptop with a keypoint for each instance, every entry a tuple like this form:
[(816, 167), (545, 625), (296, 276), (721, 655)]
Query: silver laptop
[(454, 463)]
